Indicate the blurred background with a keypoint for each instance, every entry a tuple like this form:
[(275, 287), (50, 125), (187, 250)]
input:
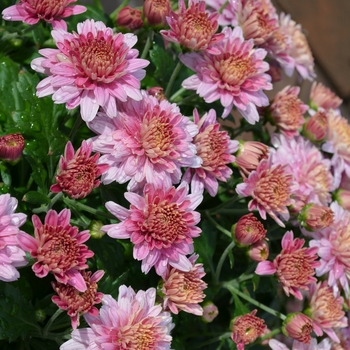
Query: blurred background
[(327, 26)]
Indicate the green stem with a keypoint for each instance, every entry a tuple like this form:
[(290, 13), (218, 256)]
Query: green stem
[(30, 28), (271, 334), (51, 320), (148, 44), (223, 7), (218, 226), (234, 290), (177, 94), (46, 208), (113, 15), (221, 261), (244, 277), (76, 126), (97, 3), (173, 78), (218, 208)]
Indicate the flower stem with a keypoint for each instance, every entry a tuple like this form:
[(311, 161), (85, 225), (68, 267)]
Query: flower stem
[(222, 259), (271, 334), (177, 94), (148, 44), (51, 320), (218, 226), (113, 15), (234, 290), (173, 78), (46, 208)]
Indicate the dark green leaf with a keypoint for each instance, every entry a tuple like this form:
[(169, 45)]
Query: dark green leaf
[(37, 198), (240, 308), (110, 286), (206, 242)]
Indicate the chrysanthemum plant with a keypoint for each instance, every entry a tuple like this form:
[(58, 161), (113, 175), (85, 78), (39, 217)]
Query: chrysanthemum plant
[(155, 194)]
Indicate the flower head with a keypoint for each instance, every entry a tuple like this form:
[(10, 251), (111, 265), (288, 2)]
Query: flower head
[(326, 310), (129, 18), (259, 251), (161, 225), (227, 11), (321, 96), (193, 28), (294, 266), (246, 329), (235, 76), (316, 127), (210, 311), (298, 326), (184, 290), (78, 172), (132, 322), (270, 189), (149, 141), (57, 248), (215, 149), (75, 302), (91, 68), (51, 11), (248, 230), (156, 11), (11, 255), (315, 217), (11, 147), (287, 111), (323, 345)]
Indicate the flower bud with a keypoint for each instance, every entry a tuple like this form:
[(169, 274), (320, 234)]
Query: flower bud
[(298, 326), (157, 92), (342, 196), (321, 96), (156, 11), (11, 147), (248, 230), (129, 18), (316, 127), (259, 251), (315, 217), (210, 311), (95, 229)]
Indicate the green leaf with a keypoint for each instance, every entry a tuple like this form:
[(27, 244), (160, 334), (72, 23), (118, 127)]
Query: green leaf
[(111, 286), (5, 175), (255, 281), (206, 242), (37, 198), (240, 308)]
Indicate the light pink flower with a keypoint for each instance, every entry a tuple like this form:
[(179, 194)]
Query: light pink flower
[(184, 290), (210, 312), (149, 141), (11, 255), (227, 11), (271, 189), (51, 11), (298, 326), (91, 68), (75, 302), (11, 147), (259, 251), (193, 28), (315, 217), (236, 76), (286, 111), (323, 345), (130, 323), (326, 310), (294, 266), (161, 225), (344, 337), (310, 170), (215, 149), (57, 248), (321, 96), (78, 172)]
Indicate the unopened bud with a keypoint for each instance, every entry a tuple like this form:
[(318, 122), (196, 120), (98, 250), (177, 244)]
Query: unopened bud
[(156, 11), (11, 147), (130, 18), (315, 217)]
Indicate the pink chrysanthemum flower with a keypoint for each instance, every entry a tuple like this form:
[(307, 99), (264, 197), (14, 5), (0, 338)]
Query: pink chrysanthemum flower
[(51, 11), (248, 230), (333, 249), (316, 127), (310, 170), (344, 337), (75, 302), (271, 189), (215, 149), (78, 172), (91, 68), (149, 141), (11, 255), (298, 326), (323, 345), (227, 11), (326, 310), (246, 329), (193, 28), (156, 11), (321, 96), (236, 76), (184, 290), (315, 217), (286, 111), (133, 322), (294, 266), (161, 225), (57, 248)]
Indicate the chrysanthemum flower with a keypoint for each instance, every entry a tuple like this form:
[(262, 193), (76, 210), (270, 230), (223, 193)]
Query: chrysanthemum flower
[(51, 11), (323, 345), (344, 336), (227, 11), (132, 322), (271, 189), (75, 302), (129, 18), (326, 310), (321, 96), (156, 11), (11, 255), (246, 329), (57, 248), (193, 28), (315, 217), (299, 327), (294, 266), (161, 225), (78, 172), (310, 170), (11, 147), (316, 127), (248, 230), (149, 141), (286, 111), (215, 149), (91, 68), (236, 76)]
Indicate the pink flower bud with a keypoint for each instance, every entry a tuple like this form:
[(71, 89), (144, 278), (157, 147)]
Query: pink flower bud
[(248, 230), (316, 127), (210, 311), (342, 196), (298, 326), (156, 11), (259, 251), (157, 92), (321, 96), (11, 147), (315, 217), (130, 18)]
